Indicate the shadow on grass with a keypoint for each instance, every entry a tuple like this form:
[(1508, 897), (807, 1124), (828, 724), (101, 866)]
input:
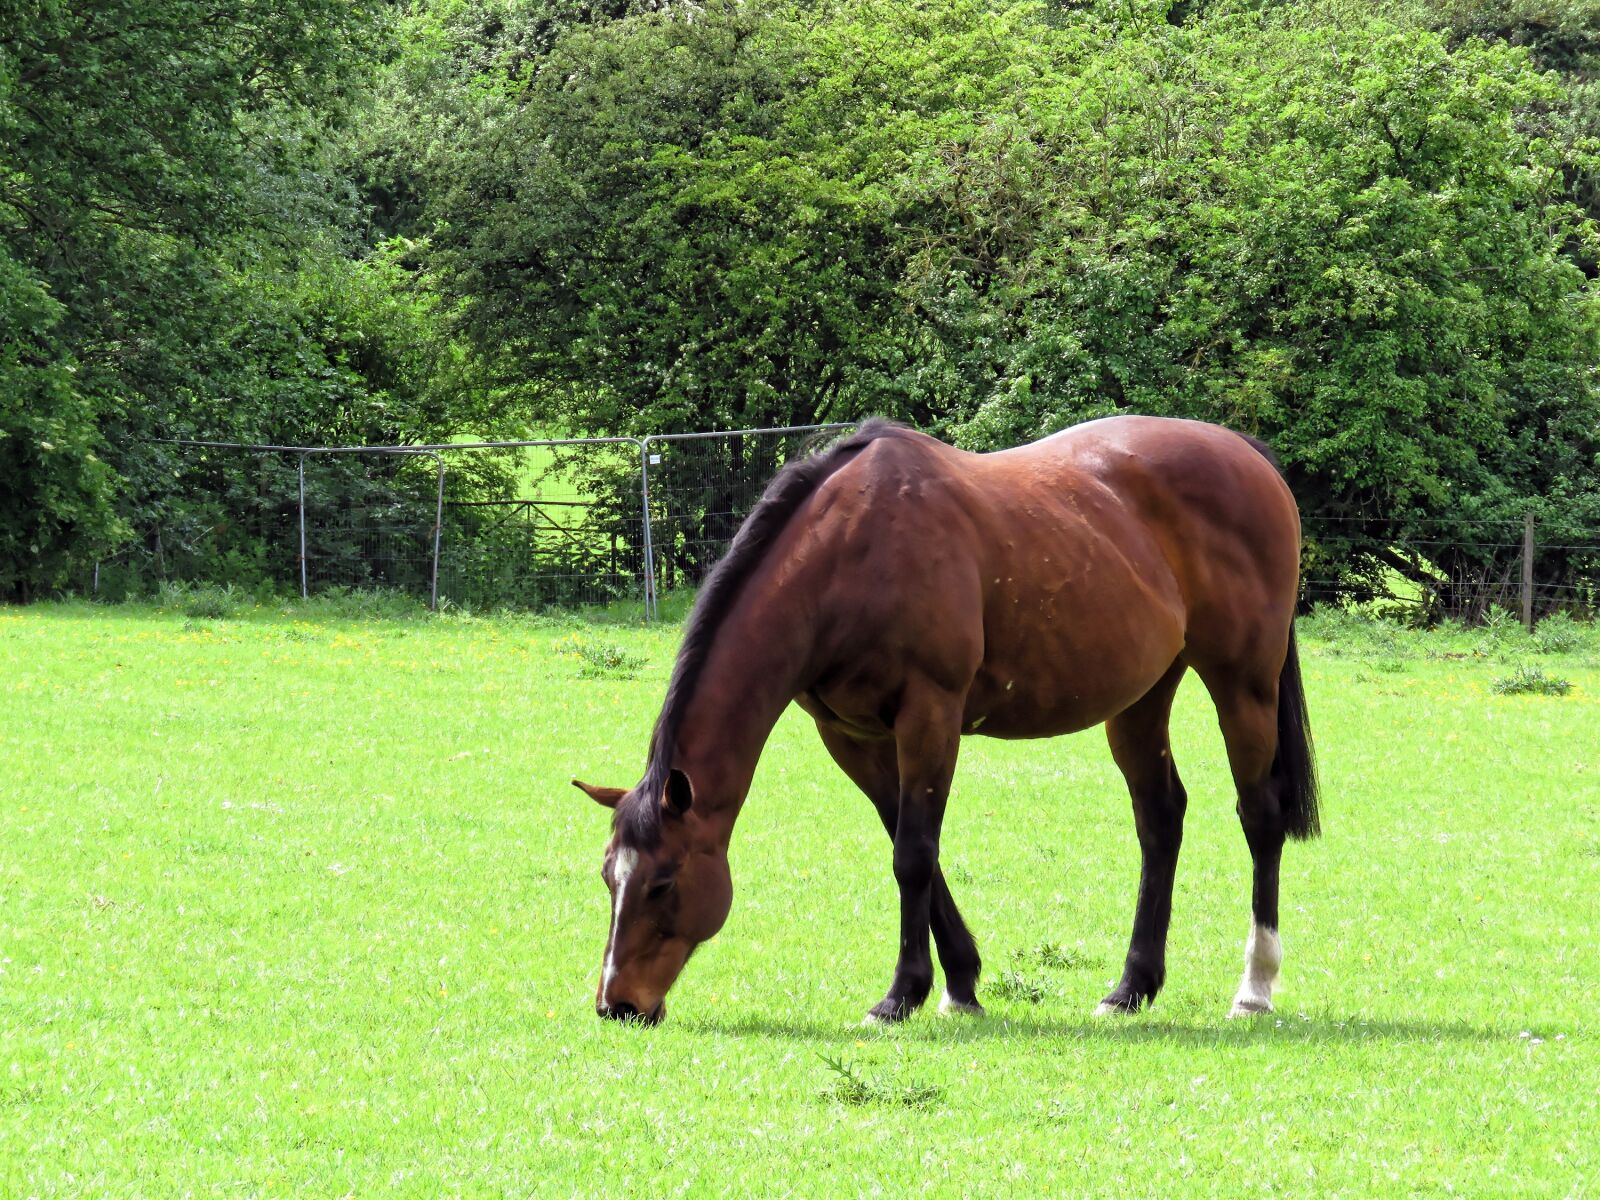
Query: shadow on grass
[(241, 611), (343, 606), (1281, 1028)]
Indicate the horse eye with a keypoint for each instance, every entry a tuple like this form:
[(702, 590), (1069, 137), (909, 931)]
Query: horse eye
[(660, 886)]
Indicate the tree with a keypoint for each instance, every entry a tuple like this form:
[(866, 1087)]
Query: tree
[(55, 496), (1333, 228)]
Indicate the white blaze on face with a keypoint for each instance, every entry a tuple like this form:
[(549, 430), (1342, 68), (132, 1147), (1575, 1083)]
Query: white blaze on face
[(1263, 955), (621, 868)]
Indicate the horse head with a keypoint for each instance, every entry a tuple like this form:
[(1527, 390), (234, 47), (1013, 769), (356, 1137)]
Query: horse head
[(667, 871)]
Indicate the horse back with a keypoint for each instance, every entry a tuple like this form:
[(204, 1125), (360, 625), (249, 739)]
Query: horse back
[(1051, 584)]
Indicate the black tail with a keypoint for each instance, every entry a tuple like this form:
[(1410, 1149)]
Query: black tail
[(1296, 765)]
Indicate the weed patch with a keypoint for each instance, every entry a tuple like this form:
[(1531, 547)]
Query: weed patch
[(855, 1089), (202, 601), (1055, 957), (1559, 634), (1531, 681), (1014, 985), (598, 659)]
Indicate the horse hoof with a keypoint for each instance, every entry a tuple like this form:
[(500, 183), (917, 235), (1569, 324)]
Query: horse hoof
[(948, 1005), (887, 1012), (1116, 1006), (1249, 1006)]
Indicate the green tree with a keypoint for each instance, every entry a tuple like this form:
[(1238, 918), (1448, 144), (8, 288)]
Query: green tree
[(188, 257), (1334, 228), (56, 488)]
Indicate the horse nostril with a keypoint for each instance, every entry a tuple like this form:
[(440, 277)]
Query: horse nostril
[(620, 1012)]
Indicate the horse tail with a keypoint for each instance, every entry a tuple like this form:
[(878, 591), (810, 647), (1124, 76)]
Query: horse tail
[(1296, 764)]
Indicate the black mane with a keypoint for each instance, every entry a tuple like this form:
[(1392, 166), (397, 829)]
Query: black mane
[(638, 816)]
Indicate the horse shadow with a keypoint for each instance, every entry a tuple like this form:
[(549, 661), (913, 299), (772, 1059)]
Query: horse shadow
[(1288, 1029)]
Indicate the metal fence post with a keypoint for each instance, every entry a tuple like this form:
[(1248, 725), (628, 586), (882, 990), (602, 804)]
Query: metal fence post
[(304, 590), (438, 529), (649, 545), (1527, 572)]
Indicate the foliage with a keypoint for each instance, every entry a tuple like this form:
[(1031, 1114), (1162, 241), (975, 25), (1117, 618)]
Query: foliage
[(1321, 224), (55, 494), (1361, 232), (172, 182)]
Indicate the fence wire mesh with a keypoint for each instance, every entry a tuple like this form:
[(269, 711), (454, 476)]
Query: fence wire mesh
[(368, 520), (1457, 569), (588, 521), (544, 524), (533, 524), (703, 486)]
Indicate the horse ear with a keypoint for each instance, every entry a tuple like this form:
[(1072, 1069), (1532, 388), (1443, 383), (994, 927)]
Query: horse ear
[(603, 796), (679, 794)]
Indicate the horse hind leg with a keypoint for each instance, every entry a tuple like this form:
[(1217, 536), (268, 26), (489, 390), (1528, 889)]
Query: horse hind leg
[(1140, 746), (1247, 711), (872, 767)]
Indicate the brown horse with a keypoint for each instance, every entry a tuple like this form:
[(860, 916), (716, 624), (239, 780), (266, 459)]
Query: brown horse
[(905, 593)]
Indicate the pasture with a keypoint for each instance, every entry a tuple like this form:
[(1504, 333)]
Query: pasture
[(297, 901)]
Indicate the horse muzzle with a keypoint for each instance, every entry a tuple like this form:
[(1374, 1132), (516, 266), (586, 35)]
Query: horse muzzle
[(627, 1012)]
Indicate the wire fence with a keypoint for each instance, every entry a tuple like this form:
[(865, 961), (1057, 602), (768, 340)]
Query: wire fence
[(566, 522), (537, 523), (1424, 570)]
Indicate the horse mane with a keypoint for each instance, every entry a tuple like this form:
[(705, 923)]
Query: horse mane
[(637, 820)]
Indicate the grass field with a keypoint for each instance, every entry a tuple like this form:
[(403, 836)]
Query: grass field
[(299, 903)]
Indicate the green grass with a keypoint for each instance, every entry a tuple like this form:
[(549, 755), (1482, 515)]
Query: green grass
[(300, 904)]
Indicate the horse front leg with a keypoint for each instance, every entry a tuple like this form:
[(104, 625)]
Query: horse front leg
[(874, 768), (927, 735)]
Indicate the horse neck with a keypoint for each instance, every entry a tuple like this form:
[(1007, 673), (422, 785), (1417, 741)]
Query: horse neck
[(753, 670)]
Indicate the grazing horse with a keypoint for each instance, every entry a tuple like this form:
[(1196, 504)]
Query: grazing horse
[(905, 593)]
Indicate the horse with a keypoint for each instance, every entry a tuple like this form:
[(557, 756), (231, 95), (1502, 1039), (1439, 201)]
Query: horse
[(905, 593)]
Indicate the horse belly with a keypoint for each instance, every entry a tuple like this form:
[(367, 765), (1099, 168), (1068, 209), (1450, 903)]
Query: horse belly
[(1037, 706), (1092, 657)]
